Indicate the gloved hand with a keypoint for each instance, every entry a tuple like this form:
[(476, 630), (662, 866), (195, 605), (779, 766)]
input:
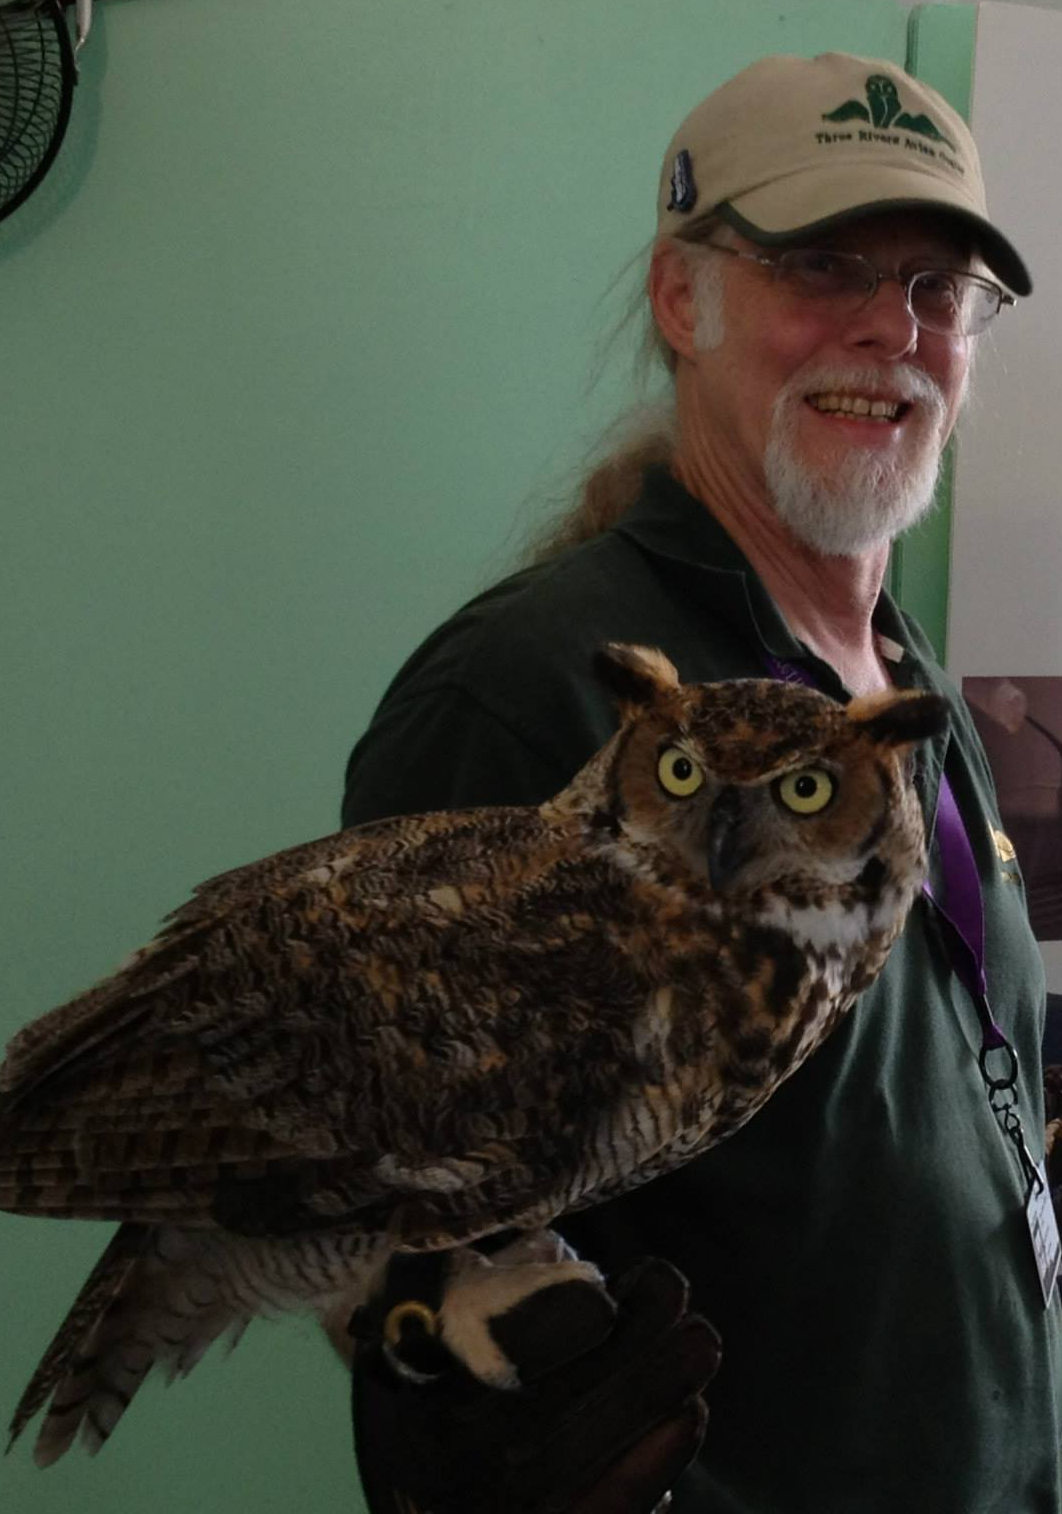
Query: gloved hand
[(607, 1416)]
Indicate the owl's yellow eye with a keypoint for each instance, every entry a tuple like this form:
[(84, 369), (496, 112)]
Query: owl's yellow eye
[(806, 792), (679, 774)]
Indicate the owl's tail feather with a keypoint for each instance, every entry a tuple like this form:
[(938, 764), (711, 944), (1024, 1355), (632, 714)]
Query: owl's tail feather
[(150, 1300), (103, 1283)]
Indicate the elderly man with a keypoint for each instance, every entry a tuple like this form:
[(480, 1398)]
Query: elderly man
[(823, 267)]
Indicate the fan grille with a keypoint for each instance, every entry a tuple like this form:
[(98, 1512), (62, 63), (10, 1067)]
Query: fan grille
[(36, 84)]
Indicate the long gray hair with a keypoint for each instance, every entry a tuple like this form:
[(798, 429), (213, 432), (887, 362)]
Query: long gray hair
[(647, 433)]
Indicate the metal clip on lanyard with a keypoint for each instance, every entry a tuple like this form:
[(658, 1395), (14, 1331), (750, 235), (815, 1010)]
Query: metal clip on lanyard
[(963, 914)]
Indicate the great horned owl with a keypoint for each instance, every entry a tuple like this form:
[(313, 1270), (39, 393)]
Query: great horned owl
[(430, 1029)]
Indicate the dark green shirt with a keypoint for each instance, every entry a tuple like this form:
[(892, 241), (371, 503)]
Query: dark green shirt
[(861, 1244)]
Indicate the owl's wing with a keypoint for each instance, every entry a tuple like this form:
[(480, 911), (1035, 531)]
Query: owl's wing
[(373, 856), (374, 845), (363, 1034)]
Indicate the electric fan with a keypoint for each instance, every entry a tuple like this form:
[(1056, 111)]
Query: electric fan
[(38, 71)]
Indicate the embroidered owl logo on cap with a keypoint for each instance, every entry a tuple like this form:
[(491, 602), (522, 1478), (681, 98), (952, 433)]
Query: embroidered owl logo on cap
[(883, 108)]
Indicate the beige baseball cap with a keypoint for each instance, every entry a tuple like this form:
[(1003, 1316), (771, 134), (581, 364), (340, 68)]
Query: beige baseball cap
[(792, 146)]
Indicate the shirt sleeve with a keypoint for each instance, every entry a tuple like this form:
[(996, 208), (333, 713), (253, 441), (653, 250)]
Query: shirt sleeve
[(442, 749)]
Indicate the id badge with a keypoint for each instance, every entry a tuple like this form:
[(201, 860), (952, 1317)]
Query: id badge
[(1043, 1231)]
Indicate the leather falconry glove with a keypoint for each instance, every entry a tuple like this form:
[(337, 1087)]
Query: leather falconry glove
[(607, 1415)]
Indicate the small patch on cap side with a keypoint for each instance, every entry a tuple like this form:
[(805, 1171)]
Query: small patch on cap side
[(683, 189)]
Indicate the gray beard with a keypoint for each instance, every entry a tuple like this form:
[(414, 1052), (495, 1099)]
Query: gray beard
[(867, 499)]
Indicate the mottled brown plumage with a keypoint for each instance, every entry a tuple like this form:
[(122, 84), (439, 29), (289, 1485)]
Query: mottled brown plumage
[(433, 1028)]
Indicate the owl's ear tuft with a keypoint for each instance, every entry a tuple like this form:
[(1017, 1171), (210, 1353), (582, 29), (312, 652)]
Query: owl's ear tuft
[(900, 719), (637, 676)]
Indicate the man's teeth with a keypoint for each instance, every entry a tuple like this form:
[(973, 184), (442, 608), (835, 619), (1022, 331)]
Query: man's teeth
[(854, 404)]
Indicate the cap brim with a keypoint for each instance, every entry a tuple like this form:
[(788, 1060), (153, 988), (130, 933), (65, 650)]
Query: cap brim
[(778, 213)]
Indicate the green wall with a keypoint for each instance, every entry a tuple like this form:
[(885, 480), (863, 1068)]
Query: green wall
[(298, 336), (940, 50)]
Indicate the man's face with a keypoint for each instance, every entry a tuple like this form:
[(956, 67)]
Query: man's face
[(776, 393)]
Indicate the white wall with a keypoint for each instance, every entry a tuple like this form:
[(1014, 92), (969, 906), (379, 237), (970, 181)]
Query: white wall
[(1005, 613)]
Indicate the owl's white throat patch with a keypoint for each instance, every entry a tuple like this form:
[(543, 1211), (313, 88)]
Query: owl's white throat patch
[(836, 926)]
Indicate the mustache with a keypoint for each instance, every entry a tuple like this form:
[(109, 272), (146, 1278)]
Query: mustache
[(902, 381)]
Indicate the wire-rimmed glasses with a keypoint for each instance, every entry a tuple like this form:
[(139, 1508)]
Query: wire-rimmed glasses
[(949, 301)]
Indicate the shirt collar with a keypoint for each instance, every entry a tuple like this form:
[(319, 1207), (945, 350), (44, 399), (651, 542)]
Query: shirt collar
[(666, 521)]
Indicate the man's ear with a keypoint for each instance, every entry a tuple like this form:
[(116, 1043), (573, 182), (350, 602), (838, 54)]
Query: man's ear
[(672, 297)]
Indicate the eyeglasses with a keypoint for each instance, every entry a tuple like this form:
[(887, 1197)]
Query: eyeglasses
[(945, 300)]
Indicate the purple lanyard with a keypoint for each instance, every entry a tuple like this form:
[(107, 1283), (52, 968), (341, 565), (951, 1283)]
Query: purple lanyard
[(963, 909), (963, 912)]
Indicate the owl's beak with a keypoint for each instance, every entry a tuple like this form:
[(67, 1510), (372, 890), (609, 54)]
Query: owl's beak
[(728, 848)]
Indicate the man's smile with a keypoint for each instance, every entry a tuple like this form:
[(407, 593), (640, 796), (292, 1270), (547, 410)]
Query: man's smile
[(859, 406)]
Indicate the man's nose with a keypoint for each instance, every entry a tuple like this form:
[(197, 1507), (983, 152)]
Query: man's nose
[(885, 322)]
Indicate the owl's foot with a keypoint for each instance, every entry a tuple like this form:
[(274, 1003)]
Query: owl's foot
[(484, 1308)]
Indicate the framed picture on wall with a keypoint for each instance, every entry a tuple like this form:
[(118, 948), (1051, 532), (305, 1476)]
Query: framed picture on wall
[(1020, 722)]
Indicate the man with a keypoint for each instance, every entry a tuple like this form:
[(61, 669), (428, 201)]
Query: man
[(823, 266)]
